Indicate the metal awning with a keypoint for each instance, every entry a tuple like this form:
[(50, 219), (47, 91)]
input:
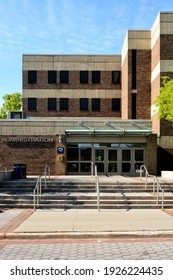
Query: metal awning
[(113, 128)]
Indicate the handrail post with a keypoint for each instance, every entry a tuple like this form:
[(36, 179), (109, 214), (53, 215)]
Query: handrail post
[(34, 201), (92, 168), (97, 188), (154, 185), (157, 193), (162, 199)]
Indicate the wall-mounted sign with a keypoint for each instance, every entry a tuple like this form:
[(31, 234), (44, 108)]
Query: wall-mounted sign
[(60, 150), (28, 139)]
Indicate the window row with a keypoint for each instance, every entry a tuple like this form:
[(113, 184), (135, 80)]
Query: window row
[(64, 77), (64, 104)]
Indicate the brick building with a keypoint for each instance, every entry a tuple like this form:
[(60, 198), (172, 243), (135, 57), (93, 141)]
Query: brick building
[(82, 110)]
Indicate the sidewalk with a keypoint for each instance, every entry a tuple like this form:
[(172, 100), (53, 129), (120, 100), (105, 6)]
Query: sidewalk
[(86, 224), (82, 223)]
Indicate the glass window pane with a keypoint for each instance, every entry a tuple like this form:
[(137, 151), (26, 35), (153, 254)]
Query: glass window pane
[(72, 154), (96, 104), (85, 154), (138, 165), (112, 167), (139, 155), (85, 167), (52, 77), (126, 167), (32, 77), (32, 104), (95, 77), (116, 104), (112, 155), (126, 155), (83, 104), (100, 167), (99, 155), (72, 167), (63, 104), (64, 77), (83, 77), (116, 77), (51, 104)]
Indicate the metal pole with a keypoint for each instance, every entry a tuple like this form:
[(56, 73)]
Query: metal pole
[(34, 200)]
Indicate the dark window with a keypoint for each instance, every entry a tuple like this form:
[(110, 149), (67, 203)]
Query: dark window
[(51, 104), (52, 77), (133, 69), (116, 104), (64, 77), (96, 104), (133, 105), (32, 104), (84, 77), (32, 77), (84, 104), (63, 104), (116, 77), (95, 77)]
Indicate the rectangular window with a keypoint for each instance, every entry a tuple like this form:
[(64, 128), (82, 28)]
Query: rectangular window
[(116, 104), (32, 77), (96, 104), (96, 77), (133, 105), (51, 77), (84, 77), (63, 104), (51, 104), (83, 104), (133, 69), (116, 77), (32, 104), (64, 77)]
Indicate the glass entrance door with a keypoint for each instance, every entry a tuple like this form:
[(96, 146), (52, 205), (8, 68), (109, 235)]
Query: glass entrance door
[(100, 160), (112, 161)]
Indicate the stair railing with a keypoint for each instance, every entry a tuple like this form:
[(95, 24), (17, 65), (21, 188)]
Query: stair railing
[(156, 185), (38, 187), (46, 174), (97, 188), (37, 192)]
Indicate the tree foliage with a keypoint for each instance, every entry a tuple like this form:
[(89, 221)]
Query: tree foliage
[(12, 102), (164, 100)]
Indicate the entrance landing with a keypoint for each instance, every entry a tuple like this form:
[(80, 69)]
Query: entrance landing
[(75, 221)]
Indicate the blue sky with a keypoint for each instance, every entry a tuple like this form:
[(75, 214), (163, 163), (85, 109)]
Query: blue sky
[(66, 27)]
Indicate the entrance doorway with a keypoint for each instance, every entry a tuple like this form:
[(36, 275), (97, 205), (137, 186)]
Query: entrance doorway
[(119, 159)]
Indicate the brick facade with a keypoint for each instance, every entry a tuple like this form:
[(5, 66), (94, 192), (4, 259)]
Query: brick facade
[(74, 109), (74, 81)]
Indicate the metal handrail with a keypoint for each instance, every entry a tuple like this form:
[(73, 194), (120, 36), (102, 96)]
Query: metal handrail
[(97, 188), (37, 192), (155, 183), (38, 187), (46, 173)]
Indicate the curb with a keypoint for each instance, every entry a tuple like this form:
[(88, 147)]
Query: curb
[(85, 235)]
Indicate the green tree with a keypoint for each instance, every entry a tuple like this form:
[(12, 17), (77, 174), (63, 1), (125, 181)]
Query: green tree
[(164, 101), (12, 102)]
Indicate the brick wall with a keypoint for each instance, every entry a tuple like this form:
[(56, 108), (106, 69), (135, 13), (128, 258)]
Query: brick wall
[(124, 96), (151, 154), (74, 81), (74, 109), (35, 155), (166, 46), (143, 85)]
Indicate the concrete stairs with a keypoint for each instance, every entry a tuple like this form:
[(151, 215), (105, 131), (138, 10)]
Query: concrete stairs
[(82, 195)]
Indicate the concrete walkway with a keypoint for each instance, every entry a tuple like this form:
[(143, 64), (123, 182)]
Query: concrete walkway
[(80, 223)]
